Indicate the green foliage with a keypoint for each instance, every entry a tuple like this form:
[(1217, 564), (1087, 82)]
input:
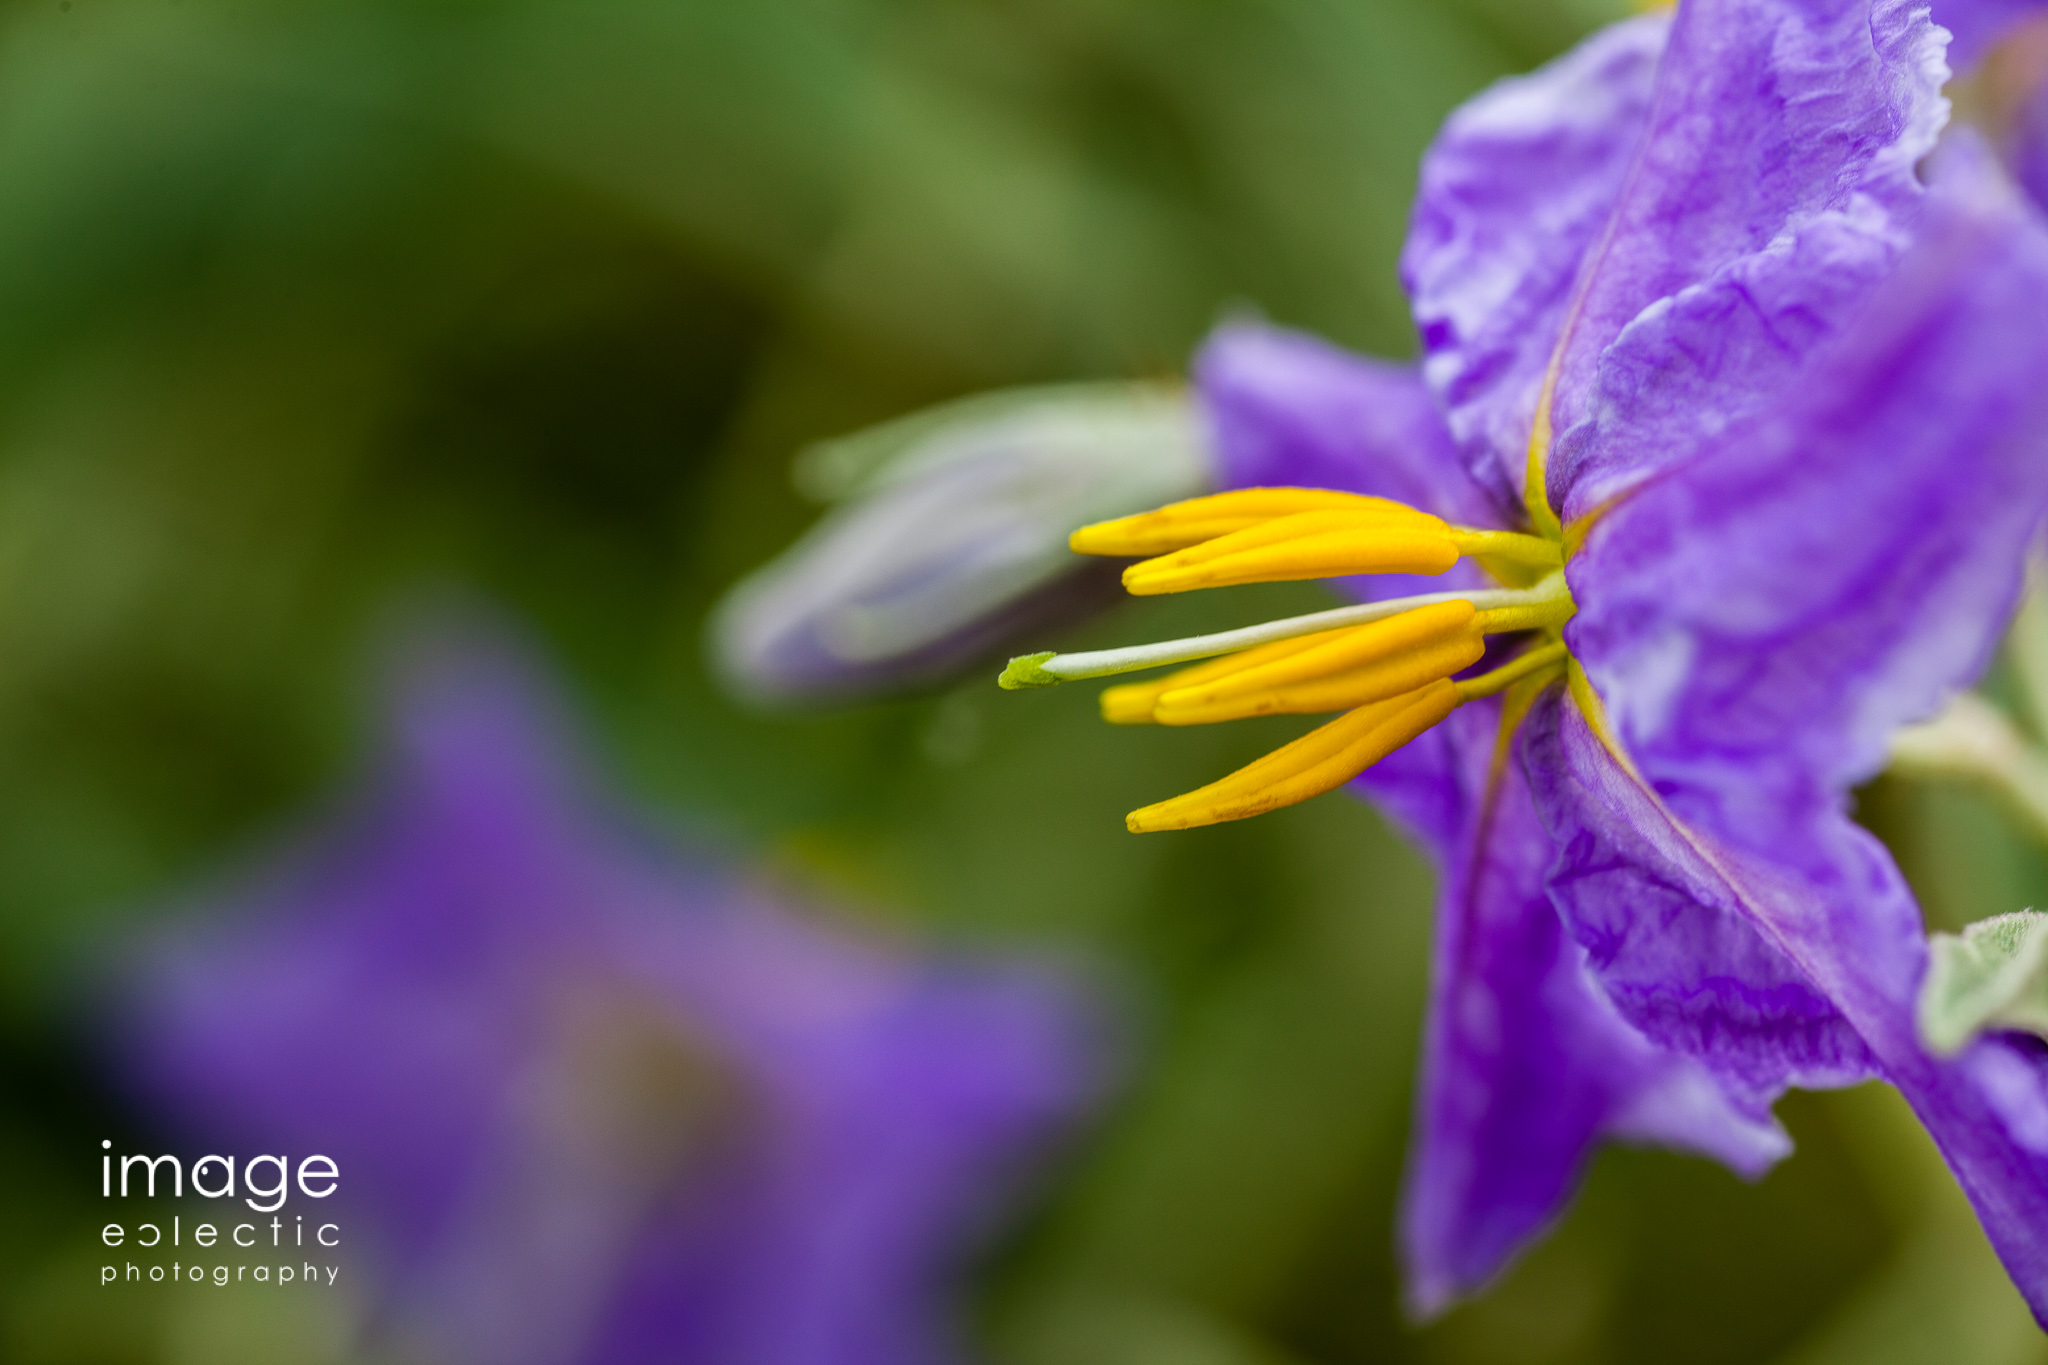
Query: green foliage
[(1993, 975)]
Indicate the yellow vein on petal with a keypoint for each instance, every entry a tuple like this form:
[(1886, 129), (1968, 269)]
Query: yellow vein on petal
[(1536, 471)]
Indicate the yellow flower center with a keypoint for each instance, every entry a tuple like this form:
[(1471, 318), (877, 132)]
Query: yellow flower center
[(1391, 667)]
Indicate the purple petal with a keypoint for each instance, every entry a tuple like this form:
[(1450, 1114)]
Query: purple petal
[(1525, 1064), (1775, 186), (1757, 622), (1670, 941), (1766, 616), (1515, 192), (1290, 410), (1755, 942), (1686, 373)]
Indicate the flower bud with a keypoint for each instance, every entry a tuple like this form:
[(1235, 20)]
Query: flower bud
[(949, 538)]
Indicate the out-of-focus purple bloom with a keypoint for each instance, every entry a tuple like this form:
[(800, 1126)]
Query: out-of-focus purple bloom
[(2001, 54), (1976, 27), (1770, 407), (2027, 145), (948, 542), (596, 1099)]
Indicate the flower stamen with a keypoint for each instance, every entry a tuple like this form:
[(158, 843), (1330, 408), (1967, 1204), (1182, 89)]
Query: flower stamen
[(1182, 524), (1389, 666), (1548, 603), (1550, 656), (1264, 535), (1319, 544), (1321, 760), (1339, 670)]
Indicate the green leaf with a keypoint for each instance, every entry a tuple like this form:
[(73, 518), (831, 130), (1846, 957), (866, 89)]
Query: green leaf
[(1992, 976)]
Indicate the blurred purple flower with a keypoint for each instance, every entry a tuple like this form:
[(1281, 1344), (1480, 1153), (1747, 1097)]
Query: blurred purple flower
[(1775, 405), (599, 1100), (1976, 27), (2001, 52)]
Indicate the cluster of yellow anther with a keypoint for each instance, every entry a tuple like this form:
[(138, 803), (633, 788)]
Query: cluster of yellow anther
[(1390, 667), (1270, 535)]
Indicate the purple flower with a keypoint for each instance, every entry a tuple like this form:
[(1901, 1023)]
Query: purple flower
[(1976, 27), (1729, 433), (2001, 52), (596, 1099)]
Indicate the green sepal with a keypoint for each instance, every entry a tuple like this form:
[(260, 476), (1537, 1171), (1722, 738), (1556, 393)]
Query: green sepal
[(1992, 976), (1026, 671)]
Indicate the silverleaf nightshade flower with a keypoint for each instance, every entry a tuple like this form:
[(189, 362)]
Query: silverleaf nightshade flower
[(595, 1098), (1729, 433)]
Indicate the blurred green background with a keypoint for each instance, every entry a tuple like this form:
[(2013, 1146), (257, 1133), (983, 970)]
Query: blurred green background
[(310, 309)]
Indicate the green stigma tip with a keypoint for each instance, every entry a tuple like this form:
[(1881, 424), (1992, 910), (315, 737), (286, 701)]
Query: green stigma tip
[(1025, 671)]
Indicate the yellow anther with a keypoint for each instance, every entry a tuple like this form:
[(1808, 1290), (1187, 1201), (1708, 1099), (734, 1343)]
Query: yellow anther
[(1298, 525), (1198, 519), (1363, 664), (1320, 761), (1390, 667), (1133, 703), (1306, 545)]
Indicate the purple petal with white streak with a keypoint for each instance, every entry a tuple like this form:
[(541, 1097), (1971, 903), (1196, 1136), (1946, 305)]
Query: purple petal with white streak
[(1775, 186), (1836, 926), (1760, 620), (1526, 1065), (1516, 190)]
